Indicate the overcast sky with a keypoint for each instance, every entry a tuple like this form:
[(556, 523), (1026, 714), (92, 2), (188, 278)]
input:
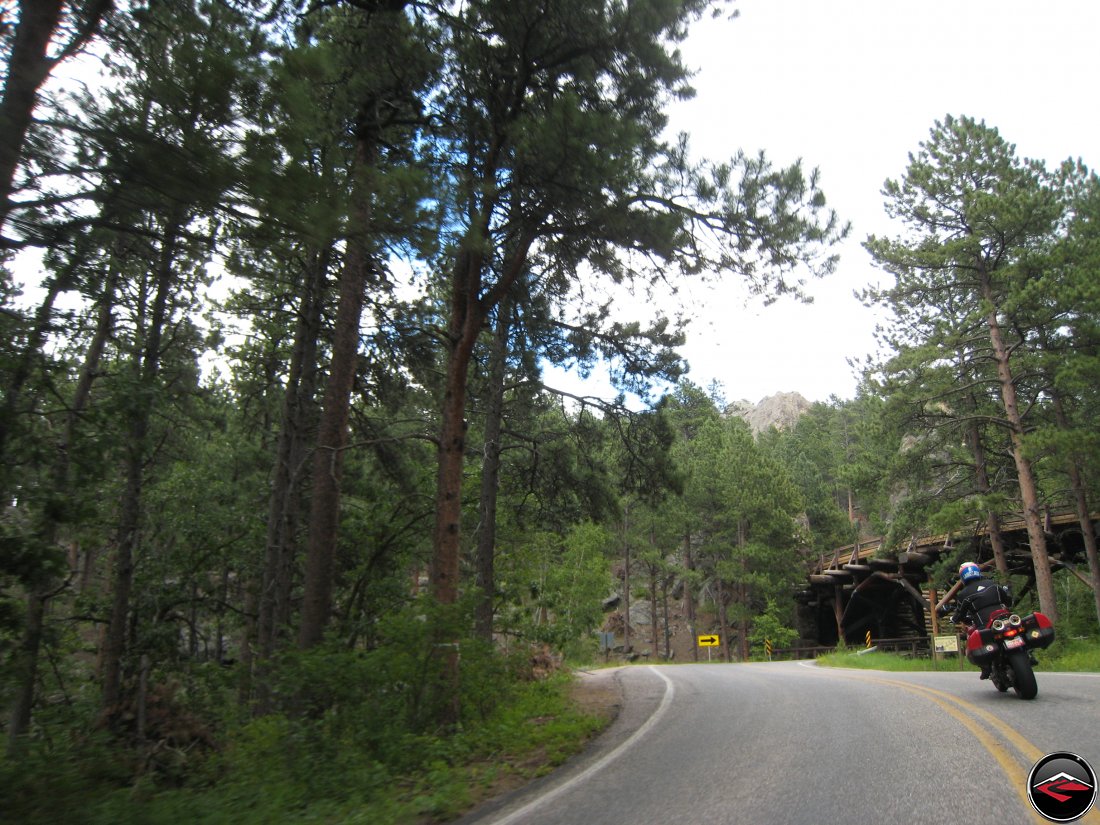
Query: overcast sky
[(852, 87)]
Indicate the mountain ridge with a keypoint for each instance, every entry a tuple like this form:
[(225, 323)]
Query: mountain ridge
[(780, 410)]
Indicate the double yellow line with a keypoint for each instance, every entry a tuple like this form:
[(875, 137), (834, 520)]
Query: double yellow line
[(968, 714)]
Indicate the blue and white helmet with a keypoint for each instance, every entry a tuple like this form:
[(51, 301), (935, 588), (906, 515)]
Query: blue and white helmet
[(968, 571)]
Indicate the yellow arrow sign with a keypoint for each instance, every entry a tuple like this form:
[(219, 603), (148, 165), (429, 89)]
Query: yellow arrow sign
[(708, 641)]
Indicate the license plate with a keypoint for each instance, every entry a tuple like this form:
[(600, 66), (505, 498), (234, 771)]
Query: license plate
[(1010, 644)]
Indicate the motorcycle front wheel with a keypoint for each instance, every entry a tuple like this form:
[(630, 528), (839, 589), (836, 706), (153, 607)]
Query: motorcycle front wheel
[(1023, 677)]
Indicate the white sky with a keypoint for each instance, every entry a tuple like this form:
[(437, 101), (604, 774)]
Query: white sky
[(852, 87)]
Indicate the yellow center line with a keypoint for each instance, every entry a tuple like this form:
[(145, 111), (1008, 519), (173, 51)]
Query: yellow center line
[(959, 708), (1028, 750), (966, 712), (1017, 776)]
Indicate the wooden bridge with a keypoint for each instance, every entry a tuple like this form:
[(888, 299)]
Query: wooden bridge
[(867, 587)]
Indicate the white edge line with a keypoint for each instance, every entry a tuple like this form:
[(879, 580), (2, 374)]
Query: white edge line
[(666, 700)]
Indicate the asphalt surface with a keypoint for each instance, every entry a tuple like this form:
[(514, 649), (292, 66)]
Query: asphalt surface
[(794, 743)]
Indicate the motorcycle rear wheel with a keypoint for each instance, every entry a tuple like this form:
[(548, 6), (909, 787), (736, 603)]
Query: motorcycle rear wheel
[(1023, 677), (999, 676)]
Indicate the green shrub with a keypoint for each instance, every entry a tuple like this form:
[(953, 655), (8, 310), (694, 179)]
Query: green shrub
[(57, 781), (349, 731)]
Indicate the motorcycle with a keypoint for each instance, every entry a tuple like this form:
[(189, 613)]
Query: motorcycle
[(1005, 644), (999, 639)]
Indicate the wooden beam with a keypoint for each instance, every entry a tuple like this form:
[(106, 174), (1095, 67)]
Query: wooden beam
[(885, 565), (1072, 568), (916, 594)]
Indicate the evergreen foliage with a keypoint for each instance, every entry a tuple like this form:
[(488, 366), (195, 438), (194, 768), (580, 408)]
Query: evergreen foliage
[(314, 537), (981, 322)]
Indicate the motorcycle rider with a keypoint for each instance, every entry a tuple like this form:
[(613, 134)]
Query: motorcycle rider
[(977, 600)]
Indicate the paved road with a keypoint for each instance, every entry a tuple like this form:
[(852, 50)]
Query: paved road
[(794, 743)]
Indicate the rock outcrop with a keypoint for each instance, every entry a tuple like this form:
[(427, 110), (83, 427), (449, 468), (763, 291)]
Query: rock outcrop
[(781, 411)]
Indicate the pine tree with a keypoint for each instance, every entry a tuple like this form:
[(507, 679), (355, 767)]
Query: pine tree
[(974, 211)]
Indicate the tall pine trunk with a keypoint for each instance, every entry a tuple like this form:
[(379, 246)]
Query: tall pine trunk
[(26, 667), (29, 65), (626, 581), (147, 371), (743, 592), (654, 616), (31, 353), (1029, 494), (284, 504), (723, 620), (689, 595), (324, 514), (468, 310), (490, 473), (665, 621), (463, 328)]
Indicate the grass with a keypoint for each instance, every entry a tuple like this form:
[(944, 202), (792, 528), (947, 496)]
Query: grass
[(1080, 655), (879, 660)]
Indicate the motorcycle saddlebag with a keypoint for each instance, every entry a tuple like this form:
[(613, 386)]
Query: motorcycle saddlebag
[(1038, 630), (980, 646)]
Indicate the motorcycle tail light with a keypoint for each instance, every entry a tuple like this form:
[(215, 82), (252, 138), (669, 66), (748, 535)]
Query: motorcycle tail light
[(1014, 620)]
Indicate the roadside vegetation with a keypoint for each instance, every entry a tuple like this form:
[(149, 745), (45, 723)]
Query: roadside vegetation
[(355, 763), (1074, 655)]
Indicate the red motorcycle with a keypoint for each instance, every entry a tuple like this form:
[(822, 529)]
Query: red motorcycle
[(1005, 646)]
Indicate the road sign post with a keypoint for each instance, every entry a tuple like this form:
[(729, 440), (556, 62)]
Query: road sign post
[(708, 641), (934, 619), (607, 641)]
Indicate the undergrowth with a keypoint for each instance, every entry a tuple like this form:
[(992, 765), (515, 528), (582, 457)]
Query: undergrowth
[(1073, 655), (357, 761)]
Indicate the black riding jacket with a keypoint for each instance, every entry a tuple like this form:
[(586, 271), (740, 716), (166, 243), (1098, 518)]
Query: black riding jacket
[(978, 600)]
